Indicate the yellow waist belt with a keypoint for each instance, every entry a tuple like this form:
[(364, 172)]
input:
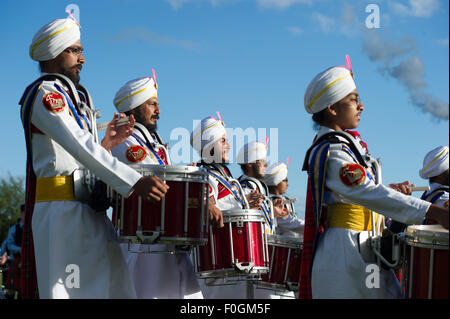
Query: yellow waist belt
[(54, 188), (350, 217)]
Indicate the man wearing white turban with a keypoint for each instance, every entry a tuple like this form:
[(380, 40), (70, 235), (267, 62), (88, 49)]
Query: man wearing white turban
[(209, 139), (436, 170), (288, 226), (288, 223), (155, 275), (345, 179), (252, 159), (76, 252)]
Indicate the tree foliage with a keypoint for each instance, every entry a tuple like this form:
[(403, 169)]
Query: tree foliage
[(12, 195)]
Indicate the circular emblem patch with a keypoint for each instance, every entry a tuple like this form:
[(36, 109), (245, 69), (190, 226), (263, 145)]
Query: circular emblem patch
[(352, 174), (53, 102), (136, 153), (284, 213)]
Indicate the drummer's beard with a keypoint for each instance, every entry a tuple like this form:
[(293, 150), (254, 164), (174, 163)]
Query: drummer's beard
[(152, 127)]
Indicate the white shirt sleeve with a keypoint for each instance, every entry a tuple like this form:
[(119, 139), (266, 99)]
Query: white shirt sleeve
[(379, 198), (63, 129)]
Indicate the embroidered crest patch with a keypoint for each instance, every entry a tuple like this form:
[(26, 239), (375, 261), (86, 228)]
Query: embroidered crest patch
[(53, 102), (136, 153), (284, 213), (352, 174)]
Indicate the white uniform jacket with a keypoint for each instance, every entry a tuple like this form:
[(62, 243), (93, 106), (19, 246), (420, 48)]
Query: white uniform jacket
[(338, 270), (156, 275), (288, 224), (443, 191), (77, 252)]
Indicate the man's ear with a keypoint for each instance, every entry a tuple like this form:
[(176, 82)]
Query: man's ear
[(333, 109)]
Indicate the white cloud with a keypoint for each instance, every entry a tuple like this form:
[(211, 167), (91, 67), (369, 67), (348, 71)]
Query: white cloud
[(295, 30), (176, 4), (326, 24), (280, 4), (146, 36), (416, 8), (442, 42)]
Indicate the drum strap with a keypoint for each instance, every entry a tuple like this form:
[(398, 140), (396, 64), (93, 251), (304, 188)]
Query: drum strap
[(151, 144), (148, 147), (262, 188), (222, 180), (434, 195)]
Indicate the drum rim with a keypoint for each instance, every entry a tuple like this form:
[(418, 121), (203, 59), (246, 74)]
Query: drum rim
[(188, 241), (171, 169), (424, 235), (231, 272), (291, 242)]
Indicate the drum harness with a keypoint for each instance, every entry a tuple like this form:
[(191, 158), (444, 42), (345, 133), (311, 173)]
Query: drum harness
[(267, 206), (84, 182), (155, 145), (382, 247)]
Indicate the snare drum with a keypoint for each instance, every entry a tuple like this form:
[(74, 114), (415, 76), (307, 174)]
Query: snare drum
[(285, 259), (238, 250), (180, 218), (425, 268)]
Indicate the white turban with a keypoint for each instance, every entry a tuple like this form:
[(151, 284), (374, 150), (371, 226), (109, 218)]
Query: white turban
[(435, 162), (208, 132), (275, 174), (134, 93), (252, 152), (54, 38), (327, 88)]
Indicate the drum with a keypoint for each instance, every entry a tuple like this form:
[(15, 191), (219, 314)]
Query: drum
[(237, 250), (285, 259), (425, 266), (180, 218)]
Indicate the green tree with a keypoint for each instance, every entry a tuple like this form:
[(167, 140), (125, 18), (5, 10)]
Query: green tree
[(12, 195)]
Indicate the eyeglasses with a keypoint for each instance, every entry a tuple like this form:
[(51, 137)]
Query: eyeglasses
[(75, 50)]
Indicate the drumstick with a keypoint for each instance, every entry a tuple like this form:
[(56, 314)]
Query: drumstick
[(122, 121), (419, 188)]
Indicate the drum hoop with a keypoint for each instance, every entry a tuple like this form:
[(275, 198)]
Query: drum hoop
[(234, 219), (424, 235), (283, 241), (171, 169), (243, 215), (165, 240), (430, 245), (231, 272)]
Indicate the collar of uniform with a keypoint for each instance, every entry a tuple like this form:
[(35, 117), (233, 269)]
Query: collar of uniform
[(434, 186), (323, 130), (58, 81)]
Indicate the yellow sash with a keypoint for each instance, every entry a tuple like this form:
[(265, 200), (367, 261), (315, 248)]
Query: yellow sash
[(350, 217), (54, 188)]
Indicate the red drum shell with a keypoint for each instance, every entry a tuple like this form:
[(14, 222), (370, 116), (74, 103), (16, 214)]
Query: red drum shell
[(424, 244), (178, 219), (240, 243), (285, 259)]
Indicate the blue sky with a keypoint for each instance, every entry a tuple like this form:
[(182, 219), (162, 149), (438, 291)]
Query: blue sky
[(251, 60)]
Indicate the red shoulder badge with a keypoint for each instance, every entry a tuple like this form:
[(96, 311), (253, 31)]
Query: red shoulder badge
[(53, 102), (136, 153), (284, 213), (352, 174)]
